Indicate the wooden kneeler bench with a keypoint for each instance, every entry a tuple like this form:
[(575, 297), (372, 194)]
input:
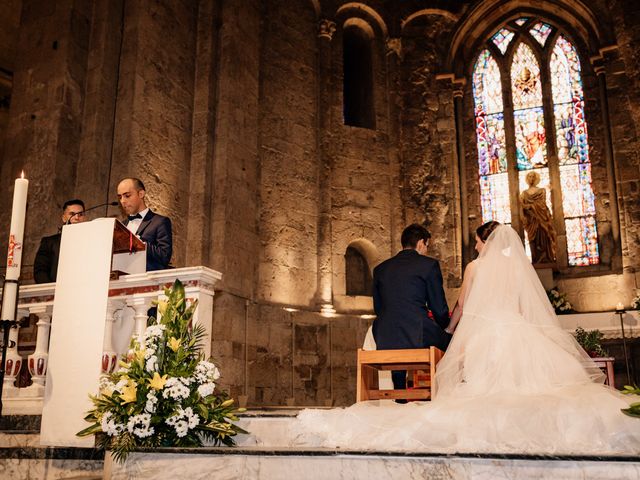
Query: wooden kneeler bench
[(370, 362)]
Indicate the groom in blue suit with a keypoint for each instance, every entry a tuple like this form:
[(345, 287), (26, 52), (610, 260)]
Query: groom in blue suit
[(153, 229), (405, 288)]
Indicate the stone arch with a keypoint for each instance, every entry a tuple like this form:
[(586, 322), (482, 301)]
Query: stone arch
[(361, 24), (572, 15), (360, 10), (368, 250), (428, 11), (316, 7)]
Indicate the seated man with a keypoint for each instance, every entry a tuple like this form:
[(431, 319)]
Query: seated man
[(405, 288), (45, 265), (153, 229)]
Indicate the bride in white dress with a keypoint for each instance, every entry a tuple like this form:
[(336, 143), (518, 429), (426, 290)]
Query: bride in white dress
[(512, 381)]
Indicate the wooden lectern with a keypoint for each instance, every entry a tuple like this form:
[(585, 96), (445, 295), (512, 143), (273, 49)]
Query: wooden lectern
[(88, 253)]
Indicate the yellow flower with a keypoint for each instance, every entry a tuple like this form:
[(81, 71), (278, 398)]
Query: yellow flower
[(157, 382), (140, 354), (174, 344), (162, 307), (107, 391), (129, 392)]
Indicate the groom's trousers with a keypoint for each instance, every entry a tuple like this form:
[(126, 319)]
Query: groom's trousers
[(399, 377)]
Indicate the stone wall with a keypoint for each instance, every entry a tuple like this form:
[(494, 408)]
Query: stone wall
[(288, 154), (45, 123), (428, 139), (232, 114), (361, 166), (274, 355), (9, 31), (153, 116)]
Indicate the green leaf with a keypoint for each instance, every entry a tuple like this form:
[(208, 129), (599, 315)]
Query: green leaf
[(93, 429)]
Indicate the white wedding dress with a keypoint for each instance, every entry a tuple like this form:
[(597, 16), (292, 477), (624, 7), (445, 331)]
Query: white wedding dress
[(511, 381)]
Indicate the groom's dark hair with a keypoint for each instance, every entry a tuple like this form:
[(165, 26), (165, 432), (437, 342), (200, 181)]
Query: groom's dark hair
[(413, 234)]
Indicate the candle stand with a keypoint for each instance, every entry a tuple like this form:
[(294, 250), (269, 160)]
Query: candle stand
[(6, 326), (621, 312)]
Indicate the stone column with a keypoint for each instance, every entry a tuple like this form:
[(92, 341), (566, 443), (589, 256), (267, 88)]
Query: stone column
[(397, 217), (324, 296), (460, 174), (609, 159)]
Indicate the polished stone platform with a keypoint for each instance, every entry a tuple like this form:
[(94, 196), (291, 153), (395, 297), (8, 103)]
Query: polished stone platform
[(264, 455), (324, 464)]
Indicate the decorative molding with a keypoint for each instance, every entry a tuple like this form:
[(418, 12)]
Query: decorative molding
[(326, 28), (458, 83), (394, 47), (598, 61)]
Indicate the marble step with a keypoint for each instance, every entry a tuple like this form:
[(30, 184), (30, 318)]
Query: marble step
[(22, 457)]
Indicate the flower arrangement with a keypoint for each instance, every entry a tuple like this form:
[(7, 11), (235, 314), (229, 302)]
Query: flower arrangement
[(559, 301), (591, 341), (164, 394), (635, 303)]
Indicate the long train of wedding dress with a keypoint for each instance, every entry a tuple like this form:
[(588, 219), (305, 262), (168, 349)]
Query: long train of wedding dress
[(511, 381)]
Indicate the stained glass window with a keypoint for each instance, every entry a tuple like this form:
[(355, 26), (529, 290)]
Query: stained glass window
[(531, 143), (540, 31), (578, 200), (492, 152), (525, 79), (495, 198), (502, 39), (530, 139)]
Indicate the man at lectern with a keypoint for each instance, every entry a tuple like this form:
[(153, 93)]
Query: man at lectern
[(45, 265), (153, 229)]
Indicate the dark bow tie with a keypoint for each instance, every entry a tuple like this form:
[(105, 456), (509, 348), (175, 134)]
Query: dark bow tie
[(133, 217)]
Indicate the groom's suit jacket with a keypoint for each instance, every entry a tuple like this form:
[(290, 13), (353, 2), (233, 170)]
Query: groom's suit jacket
[(405, 287), (155, 231)]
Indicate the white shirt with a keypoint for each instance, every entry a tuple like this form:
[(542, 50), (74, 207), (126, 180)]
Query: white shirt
[(133, 225)]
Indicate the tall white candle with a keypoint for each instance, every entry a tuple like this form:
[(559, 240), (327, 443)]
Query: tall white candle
[(14, 254)]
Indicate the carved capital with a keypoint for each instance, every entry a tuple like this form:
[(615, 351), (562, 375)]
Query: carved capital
[(457, 83), (326, 28), (394, 47), (600, 60)]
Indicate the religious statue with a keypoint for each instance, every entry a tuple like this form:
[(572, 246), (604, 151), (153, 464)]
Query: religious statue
[(538, 221)]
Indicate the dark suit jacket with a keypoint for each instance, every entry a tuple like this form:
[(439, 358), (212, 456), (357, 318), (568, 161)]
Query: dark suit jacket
[(155, 231), (405, 287), (45, 265)]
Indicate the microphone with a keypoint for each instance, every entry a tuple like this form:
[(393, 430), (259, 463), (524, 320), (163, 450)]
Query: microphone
[(111, 204)]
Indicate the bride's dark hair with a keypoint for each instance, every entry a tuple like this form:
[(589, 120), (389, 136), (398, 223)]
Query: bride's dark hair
[(484, 230)]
